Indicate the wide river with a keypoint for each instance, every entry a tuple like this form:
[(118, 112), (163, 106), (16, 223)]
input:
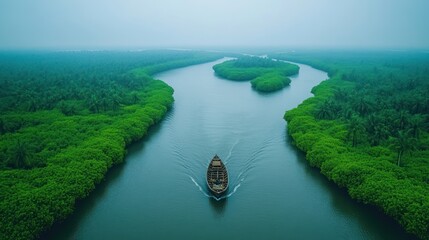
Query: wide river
[(160, 190)]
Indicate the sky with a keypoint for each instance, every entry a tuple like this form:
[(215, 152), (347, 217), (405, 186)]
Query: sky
[(110, 24)]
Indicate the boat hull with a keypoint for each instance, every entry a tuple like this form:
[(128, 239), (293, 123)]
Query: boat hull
[(217, 177)]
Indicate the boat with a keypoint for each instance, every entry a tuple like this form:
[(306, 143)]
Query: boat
[(217, 177)]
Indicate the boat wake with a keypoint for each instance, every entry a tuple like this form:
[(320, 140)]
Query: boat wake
[(230, 151), (199, 187), (245, 166), (256, 155), (234, 190), (212, 196)]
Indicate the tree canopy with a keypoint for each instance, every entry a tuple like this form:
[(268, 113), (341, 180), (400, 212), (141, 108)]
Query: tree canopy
[(66, 118), (367, 129), (266, 75)]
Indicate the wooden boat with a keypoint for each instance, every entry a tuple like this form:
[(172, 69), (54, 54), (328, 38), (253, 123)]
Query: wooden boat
[(217, 177)]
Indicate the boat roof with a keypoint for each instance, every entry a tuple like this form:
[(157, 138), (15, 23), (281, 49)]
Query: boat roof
[(216, 163)]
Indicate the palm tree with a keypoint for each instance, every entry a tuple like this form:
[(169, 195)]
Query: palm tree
[(20, 154), (403, 143), (94, 104), (376, 128), (2, 127), (340, 95), (362, 106), (327, 110), (402, 119), (116, 101), (416, 124), (354, 129), (381, 132)]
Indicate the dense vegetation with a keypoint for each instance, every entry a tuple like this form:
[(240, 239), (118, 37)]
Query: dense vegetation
[(265, 74), (66, 119), (367, 129)]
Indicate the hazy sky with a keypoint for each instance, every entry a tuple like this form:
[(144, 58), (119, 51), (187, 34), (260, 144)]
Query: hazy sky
[(69, 24)]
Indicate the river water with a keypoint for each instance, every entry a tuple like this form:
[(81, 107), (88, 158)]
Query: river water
[(160, 191)]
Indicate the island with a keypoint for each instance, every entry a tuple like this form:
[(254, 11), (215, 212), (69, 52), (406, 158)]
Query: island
[(264, 74)]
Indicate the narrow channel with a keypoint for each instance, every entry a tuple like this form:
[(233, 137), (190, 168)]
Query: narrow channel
[(160, 191)]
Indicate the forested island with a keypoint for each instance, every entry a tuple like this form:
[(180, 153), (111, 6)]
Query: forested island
[(265, 75), (66, 118), (367, 129)]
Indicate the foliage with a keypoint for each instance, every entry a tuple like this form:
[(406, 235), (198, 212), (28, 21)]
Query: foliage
[(66, 118), (380, 101), (267, 75), (270, 82)]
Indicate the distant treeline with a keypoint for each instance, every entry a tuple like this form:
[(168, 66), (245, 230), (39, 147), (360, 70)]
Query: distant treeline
[(265, 74), (65, 119), (367, 129)]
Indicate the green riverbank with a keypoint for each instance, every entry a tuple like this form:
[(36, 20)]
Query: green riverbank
[(66, 118), (367, 129)]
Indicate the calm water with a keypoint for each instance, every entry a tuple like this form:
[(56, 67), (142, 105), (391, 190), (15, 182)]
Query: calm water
[(160, 191)]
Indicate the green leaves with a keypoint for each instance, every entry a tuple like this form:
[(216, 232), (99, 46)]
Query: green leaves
[(383, 157), (355, 130), (403, 143), (50, 158), (267, 75), (270, 82)]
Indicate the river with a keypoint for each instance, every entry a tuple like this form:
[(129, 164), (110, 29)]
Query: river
[(160, 191)]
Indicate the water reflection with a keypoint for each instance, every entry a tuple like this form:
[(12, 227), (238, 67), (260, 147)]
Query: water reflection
[(218, 205)]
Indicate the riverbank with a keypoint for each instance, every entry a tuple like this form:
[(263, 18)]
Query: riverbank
[(62, 152), (362, 139)]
